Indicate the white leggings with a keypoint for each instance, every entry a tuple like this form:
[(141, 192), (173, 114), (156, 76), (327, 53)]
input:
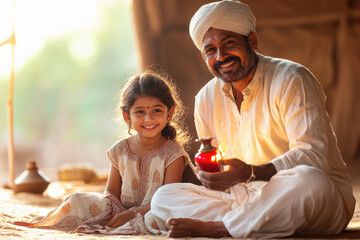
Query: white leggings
[(300, 201)]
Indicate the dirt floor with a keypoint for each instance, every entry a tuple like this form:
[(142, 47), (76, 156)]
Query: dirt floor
[(26, 206)]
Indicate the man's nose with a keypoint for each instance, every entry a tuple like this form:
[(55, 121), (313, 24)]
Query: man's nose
[(221, 54)]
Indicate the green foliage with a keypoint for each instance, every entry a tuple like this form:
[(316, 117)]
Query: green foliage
[(60, 97)]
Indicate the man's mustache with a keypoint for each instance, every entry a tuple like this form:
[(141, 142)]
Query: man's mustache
[(228, 59)]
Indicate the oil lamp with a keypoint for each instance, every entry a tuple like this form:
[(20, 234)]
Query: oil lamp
[(207, 157)]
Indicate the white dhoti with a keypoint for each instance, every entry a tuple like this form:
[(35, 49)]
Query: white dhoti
[(300, 201)]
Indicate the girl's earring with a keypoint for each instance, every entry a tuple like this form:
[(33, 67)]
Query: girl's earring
[(129, 125)]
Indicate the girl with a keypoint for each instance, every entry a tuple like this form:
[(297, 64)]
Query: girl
[(140, 163)]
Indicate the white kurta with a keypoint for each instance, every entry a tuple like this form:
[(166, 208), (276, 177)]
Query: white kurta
[(282, 120)]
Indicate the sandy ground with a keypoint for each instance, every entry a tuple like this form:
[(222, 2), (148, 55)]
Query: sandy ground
[(26, 206)]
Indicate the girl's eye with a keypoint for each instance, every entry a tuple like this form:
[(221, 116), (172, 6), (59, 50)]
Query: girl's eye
[(139, 112), (158, 110)]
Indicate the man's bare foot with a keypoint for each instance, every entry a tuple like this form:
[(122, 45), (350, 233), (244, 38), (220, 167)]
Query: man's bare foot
[(188, 227)]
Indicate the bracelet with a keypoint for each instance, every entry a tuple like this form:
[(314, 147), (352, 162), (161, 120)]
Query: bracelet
[(252, 176), (136, 212)]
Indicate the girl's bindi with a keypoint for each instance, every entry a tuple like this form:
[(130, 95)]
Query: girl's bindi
[(147, 107)]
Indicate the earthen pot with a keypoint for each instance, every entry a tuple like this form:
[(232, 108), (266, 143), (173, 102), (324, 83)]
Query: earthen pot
[(31, 180), (206, 157)]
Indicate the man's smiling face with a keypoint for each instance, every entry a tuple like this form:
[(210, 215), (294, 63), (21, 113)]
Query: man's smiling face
[(228, 55)]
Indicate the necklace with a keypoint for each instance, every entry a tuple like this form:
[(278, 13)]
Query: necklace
[(148, 148)]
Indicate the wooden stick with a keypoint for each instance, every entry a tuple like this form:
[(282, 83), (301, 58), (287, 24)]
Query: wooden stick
[(11, 110)]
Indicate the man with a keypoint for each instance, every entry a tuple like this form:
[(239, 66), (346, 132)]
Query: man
[(286, 175)]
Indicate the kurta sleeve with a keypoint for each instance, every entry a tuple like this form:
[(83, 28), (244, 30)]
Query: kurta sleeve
[(113, 154), (302, 110), (174, 152), (113, 159)]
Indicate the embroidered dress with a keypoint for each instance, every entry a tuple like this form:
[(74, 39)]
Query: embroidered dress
[(141, 177)]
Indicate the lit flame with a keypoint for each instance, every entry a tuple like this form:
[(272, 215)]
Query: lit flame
[(219, 154)]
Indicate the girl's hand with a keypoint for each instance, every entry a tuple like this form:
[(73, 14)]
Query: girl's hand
[(120, 219)]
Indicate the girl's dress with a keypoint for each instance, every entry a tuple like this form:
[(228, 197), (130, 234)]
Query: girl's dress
[(141, 177)]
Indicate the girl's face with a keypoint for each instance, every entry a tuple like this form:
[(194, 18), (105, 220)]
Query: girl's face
[(148, 116)]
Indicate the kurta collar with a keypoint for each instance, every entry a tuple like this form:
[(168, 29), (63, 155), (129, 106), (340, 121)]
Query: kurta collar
[(251, 87), (227, 90)]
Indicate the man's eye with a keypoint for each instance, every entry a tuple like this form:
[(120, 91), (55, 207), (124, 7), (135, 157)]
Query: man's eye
[(229, 42), (209, 51)]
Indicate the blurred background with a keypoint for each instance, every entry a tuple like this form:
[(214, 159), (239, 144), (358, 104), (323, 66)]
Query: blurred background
[(73, 56), (71, 59)]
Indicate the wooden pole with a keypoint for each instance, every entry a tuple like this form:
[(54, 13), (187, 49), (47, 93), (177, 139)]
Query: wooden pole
[(10, 108)]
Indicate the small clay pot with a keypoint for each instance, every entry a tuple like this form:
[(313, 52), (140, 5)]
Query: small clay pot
[(206, 156), (31, 180)]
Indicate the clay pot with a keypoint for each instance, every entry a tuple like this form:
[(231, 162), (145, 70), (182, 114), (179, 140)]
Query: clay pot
[(31, 180), (206, 157)]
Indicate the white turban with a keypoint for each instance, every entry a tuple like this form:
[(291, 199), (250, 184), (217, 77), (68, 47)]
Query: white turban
[(233, 16)]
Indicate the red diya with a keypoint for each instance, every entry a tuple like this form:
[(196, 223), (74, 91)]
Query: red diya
[(207, 157)]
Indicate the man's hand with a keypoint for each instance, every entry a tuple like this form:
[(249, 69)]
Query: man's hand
[(238, 172)]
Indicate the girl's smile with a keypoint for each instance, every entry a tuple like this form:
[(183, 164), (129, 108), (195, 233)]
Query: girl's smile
[(150, 127)]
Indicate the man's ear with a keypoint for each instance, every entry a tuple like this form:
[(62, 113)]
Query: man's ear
[(126, 117), (253, 41), (203, 56)]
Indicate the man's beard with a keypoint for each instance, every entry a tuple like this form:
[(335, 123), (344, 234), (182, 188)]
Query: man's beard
[(240, 73)]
